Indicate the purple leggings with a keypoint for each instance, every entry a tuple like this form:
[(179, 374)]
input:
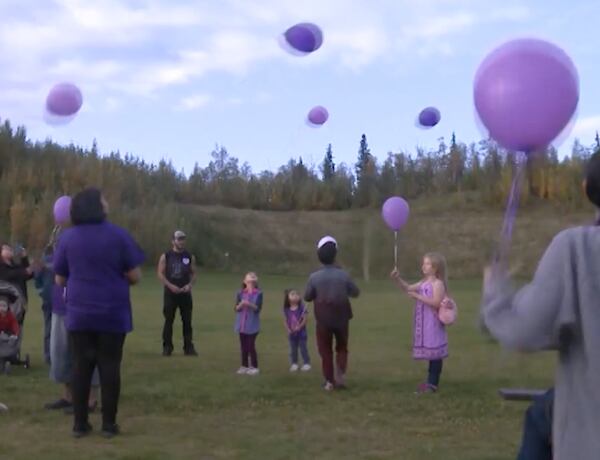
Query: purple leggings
[(248, 349)]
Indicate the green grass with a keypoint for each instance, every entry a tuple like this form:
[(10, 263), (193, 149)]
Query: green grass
[(196, 408)]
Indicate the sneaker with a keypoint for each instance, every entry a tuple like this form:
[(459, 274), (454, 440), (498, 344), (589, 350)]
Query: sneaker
[(305, 368), (167, 351), (58, 404), (425, 388), (242, 371), (328, 386), (294, 368), (110, 430), (81, 431), (253, 371)]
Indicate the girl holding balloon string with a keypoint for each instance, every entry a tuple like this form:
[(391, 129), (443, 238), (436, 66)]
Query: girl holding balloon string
[(430, 339)]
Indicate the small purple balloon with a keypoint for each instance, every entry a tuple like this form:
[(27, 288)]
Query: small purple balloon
[(304, 37), (64, 99), (526, 92), (429, 117), (62, 210), (318, 115), (395, 212)]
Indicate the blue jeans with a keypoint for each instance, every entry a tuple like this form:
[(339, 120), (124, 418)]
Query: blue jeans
[(435, 370), (537, 429), (296, 343)]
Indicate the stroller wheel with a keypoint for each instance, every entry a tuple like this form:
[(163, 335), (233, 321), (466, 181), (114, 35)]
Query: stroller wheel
[(27, 362)]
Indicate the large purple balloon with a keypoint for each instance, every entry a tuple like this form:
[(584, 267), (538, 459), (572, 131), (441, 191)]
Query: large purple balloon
[(318, 115), (304, 37), (429, 117), (64, 100), (395, 212), (526, 92), (62, 210)]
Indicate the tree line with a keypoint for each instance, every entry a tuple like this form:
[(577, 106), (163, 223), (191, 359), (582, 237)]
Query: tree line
[(151, 198)]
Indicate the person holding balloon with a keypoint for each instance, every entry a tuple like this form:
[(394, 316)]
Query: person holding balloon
[(97, 262), (61, 361), (526, 92), (430, 338), (558, 311)]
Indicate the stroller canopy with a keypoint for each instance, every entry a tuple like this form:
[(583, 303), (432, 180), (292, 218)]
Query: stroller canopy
[(15, 298)]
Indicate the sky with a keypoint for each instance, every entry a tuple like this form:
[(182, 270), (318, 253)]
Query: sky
[(171, 79)]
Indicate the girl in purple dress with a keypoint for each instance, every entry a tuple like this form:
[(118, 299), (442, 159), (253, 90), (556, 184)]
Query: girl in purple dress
[(430, 339)]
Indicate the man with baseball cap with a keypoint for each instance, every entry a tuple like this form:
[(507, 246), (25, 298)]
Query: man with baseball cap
[(330, 289), (177, 271)]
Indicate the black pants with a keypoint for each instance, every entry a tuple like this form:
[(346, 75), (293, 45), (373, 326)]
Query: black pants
[(47, 312), (91, 349), (435, 370), (537, 429), (184, 303)]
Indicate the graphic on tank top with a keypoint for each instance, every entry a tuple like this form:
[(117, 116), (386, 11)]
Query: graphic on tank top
[(178, 267)]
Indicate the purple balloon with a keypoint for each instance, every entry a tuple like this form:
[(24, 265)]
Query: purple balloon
[(526, 92), (395, 212), (62, 210), (64, 99), (304, 37), (318, 115), (429, 117)]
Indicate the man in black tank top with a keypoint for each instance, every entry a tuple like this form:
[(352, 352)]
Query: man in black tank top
[(177, 272)]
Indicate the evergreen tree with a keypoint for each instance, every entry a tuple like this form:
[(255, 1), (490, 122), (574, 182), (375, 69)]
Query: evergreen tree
[(328, 166)]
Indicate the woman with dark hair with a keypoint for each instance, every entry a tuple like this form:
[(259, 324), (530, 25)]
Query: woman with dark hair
[(97, 262), (559, 310)]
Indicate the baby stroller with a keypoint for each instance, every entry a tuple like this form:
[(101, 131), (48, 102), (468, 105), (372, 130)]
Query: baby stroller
[(10, 350)]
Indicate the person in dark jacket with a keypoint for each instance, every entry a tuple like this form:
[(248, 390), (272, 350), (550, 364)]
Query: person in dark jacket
[(330, 289), (44, 283)]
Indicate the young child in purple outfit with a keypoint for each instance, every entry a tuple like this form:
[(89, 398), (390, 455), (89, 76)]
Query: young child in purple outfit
[(295, 318)]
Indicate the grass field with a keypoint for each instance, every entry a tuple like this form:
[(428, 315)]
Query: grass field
[(196, 408)]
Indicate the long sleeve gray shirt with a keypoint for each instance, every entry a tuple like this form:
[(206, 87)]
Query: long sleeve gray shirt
[(560, 310), (330, 288)]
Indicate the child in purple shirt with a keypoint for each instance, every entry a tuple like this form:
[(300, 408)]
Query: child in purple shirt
[(296, 316)]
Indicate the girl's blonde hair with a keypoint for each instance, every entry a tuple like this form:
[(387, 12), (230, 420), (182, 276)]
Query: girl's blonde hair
[(250, 276), (438, 261)]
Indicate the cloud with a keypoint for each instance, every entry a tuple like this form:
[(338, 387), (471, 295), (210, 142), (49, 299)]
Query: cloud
[(511, 13), (441, 26), (587, 126), (193, 102), (144, 47)]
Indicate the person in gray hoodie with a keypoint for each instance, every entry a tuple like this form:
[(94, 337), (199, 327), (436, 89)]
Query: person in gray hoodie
[(560, 310), (330, 289)]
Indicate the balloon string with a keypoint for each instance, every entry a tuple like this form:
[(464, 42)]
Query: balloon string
[(501, 258), (396, 250)]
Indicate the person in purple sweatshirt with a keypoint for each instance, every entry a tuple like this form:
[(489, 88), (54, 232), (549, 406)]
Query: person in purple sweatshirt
[(97, 262), (330, 288), (61, 362)]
